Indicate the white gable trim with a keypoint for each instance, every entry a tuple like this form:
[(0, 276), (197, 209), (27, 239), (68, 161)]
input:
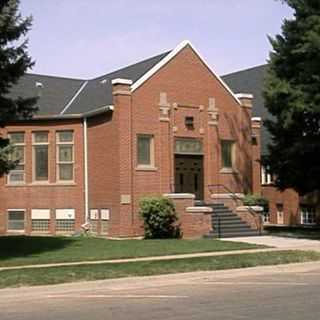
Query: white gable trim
[(74, 98), (169, 57)]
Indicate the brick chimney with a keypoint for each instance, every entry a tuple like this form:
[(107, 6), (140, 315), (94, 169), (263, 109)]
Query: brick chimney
[(121, 91)]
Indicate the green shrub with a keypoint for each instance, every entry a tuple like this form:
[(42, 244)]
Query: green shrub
[(256, 200), (160, 218)]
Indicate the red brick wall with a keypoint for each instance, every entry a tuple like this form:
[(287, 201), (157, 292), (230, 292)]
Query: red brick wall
[(103, 166), (49, 195), (288, 198), (256, 157), (188, 82)]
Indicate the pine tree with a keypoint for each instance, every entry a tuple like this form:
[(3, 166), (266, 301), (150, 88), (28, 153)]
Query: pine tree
[(14, 62), (292, 96)]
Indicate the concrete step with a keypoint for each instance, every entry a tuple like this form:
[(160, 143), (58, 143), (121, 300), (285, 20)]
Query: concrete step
[(226, 218), (234, 234)]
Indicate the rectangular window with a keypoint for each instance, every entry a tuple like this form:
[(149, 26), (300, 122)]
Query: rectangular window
[(40, 156), (266, 177), (227, 154), (40, 220), (266, 217), (145, 150), (65, 220), (65, 156), (16, 220), (17, 175), (308, 215)]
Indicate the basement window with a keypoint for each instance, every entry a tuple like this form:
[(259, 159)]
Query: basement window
[(65, 220), (16, 219), (40, 219)]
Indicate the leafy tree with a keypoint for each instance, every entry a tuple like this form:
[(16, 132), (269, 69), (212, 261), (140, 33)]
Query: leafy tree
[(292, 96), (14, 62)]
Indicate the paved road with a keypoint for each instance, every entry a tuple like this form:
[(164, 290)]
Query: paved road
[(283, 292)]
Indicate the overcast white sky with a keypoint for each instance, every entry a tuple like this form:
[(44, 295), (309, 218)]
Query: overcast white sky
[(84, 39)]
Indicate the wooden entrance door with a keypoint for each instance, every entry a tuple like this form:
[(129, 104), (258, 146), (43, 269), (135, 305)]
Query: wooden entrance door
[(189, 175)]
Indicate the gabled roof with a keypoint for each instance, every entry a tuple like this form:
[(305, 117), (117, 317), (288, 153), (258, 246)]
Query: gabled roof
[(66, 96), (62, 97), (251, 81)]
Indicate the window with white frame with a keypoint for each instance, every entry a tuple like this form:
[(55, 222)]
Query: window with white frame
[(65, 220), (40, 219), (266, 176), (65, 156), (266, 217), (227, 154), (40, 144), (308, 215), (145, 150), (105, 217), (17, 175), (16, 219)]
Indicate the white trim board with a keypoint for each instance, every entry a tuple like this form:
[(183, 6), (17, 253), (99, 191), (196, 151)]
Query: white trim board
[(169, 57), (73, 98)]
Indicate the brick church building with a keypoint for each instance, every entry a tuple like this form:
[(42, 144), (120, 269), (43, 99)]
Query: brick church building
[(166, 125)]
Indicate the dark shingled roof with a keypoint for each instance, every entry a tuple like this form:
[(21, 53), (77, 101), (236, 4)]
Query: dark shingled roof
[(78, 95), (54, 95), (98, 92), (251, 81)]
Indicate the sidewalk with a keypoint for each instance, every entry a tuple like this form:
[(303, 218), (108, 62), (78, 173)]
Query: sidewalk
[(283, 243), (155, 258), (277, 244)]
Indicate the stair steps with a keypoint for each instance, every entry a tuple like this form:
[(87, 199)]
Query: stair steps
[(227, 224)]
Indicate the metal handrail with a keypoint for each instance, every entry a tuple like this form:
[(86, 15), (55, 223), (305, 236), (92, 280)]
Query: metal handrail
[(235, 197)]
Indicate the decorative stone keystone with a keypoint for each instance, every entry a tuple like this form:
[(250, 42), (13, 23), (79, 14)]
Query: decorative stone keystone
[(164, 107), (213, 112)]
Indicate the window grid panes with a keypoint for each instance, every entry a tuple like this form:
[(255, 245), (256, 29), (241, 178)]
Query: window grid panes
[(227, 154), (308, 215), (266, 177), (40, 156), (17, 175), (65, 156), (65, 225), (145, 150), (40, 225), (16, 220)]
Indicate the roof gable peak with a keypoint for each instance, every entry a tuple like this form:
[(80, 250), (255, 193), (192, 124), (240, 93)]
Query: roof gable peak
[(169, 57)]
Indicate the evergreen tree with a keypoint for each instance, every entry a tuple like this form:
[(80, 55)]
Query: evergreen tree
[(292, 96), (14, 62)]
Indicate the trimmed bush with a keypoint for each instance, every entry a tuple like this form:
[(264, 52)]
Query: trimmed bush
[(256, 200), (159, 217)]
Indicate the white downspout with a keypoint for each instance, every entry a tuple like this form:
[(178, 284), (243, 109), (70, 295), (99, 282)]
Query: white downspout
[(86, 196)]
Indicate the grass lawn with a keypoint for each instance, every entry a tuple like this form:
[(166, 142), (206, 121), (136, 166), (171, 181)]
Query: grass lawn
[(23, 250), (54, 275)]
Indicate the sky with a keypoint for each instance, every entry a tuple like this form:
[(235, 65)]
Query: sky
[(85, 39)]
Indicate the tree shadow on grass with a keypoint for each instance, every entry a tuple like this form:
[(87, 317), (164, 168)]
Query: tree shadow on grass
[(22, 246)]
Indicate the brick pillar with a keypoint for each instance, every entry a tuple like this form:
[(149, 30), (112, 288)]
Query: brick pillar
[(256, 155), (245, 147), (166, 147), (122, 102), (212, 175)]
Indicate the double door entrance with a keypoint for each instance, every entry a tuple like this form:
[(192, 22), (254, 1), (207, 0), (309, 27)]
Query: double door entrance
[(189, 175)]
